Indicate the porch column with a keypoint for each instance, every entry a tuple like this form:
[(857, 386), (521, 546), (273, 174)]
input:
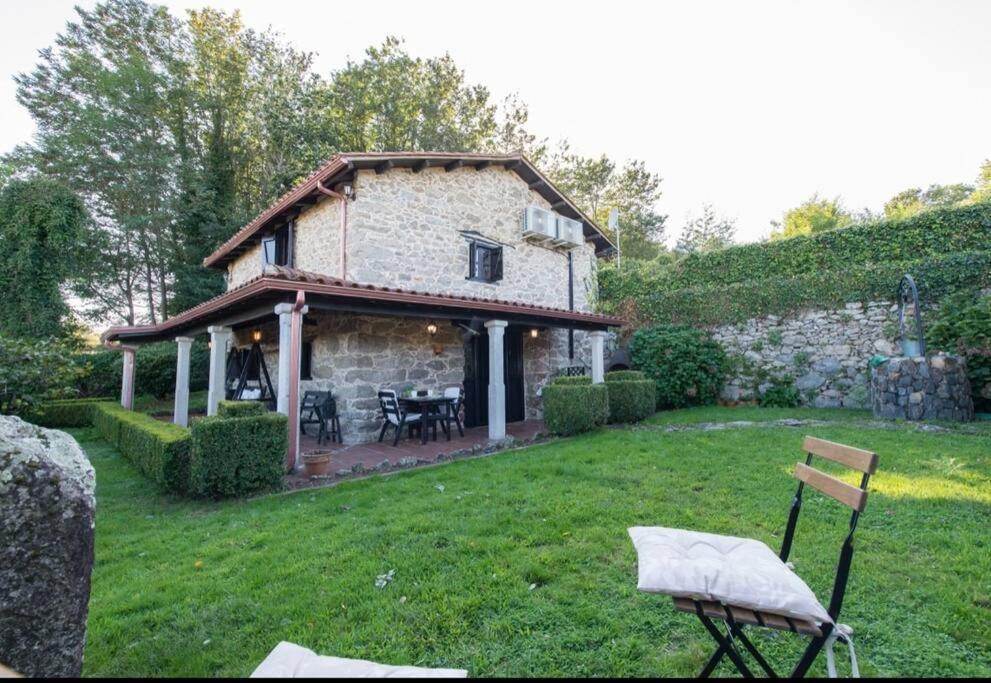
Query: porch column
[(295, 357), (181, 414), (598, 356), (127, 378), (284, 311), (497, 387), (219, 336)]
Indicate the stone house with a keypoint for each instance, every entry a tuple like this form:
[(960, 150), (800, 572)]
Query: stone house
[(396, 270)]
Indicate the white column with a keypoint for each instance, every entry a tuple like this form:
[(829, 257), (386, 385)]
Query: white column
[(284, 311), (497, 388), (127, 378), (181, 414), (219, 336), (598, 356)]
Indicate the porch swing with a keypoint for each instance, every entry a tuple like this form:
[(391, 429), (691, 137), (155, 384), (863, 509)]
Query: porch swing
[(245, 371)]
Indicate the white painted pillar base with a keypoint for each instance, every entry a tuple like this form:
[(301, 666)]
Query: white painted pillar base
[(284, 311), (497, 387), (219, 337), (183, 350), (598, 356), (127, 378)]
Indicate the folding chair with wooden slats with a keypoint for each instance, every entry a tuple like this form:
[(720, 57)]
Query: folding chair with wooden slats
[(821, 629)]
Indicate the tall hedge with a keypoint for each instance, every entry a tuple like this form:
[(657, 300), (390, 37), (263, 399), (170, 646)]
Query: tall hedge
[(687, 366), (571, 406), (236, 456), (946, 250), (154, 370), (159, 449)]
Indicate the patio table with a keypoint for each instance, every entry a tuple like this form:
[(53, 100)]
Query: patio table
[(427, 405)]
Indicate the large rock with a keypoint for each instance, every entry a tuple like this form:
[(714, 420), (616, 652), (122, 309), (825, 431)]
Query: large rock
[(46, 552)]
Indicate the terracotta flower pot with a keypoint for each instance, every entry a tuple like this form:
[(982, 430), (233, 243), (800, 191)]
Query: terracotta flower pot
[(316, 464)]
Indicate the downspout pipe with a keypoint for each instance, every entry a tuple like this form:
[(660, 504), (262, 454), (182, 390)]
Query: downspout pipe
[(296, 339), (344, 226)]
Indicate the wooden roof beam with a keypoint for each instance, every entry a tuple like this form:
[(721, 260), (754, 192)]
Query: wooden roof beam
[(482, 165), (454, 165), (420, 165), (383, 167)]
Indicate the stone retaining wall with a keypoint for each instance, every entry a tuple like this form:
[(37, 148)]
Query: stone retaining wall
[(932, 388), (823, 353)]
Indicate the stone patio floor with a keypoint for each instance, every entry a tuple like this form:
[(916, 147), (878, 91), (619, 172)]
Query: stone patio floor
[(362, 459)]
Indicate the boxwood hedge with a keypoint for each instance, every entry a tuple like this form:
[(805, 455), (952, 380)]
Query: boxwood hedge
[(240, 408), (632, 397), (572, 406), (66, 413), (160, 450), (237, 456)]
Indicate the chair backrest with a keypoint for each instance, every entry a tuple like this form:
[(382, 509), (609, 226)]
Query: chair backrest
[(452, 392), (853, 497), (390, 406)]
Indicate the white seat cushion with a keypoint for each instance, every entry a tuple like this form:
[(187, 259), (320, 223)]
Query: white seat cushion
[(292, 661), (729, 570)]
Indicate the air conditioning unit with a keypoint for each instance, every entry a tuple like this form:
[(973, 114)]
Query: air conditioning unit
[(569, 232), (539, 224)]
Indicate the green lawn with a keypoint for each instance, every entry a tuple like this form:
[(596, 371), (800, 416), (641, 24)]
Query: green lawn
[(165, 406), (521, 565)]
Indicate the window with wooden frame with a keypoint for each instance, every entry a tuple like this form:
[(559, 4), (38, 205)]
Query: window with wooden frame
[(277, 247), (484, 261)]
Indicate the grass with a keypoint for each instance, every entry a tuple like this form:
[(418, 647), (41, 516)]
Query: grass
[(152, 405), (519, 564)]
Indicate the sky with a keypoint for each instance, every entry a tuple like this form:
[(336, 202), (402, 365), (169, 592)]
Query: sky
[(749, 106)]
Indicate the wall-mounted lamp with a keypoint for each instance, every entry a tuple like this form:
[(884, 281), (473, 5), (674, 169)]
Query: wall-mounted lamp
[(256, 336), (431, 328), (534, 333)]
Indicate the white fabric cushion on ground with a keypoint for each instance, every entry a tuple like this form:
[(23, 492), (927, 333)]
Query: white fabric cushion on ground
[(292, 661), (726, 569)]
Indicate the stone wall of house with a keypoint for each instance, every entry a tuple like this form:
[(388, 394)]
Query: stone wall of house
[(405, 230), (824, 353), (356, 356)]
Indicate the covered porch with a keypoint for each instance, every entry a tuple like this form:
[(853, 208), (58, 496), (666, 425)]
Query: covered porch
[(319, 333)]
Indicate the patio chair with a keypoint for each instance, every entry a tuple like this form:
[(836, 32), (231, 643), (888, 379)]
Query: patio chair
[(393, 415), (289, 660), (320, 408), (742, 582), (457, 397)]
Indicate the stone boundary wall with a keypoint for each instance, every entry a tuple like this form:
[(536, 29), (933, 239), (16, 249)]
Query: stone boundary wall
[(824, 353)]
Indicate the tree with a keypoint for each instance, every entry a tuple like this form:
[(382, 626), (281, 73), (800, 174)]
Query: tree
[(914, 201), (41, 222), (597, 187), (982, 192), (32, 371), (706, 232), (814, 215)]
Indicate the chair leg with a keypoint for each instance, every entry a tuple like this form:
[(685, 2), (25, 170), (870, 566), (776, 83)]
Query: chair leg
[(399, 430), (461, 428), (726, 646), (382, 433), (811, 652), (741, 636)]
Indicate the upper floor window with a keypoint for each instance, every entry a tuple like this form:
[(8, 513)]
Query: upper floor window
[(277, 247), (484, 262)]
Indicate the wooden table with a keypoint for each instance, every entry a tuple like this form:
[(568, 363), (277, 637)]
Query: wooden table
[(427, 405)]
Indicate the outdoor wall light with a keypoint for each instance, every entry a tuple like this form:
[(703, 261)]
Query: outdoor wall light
[(431, 328), (256, 336), (534, 333)]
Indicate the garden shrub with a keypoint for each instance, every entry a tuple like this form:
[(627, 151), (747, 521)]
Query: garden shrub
[(236, 456), (154, 370), (962, 325), (160, 450), (67, 413), (34, 371), (571, 407), (781, 394), (576, 379), (687, 366), (240, 408), (632, 396)]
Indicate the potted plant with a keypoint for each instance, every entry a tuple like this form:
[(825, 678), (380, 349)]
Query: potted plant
[(316, 464)]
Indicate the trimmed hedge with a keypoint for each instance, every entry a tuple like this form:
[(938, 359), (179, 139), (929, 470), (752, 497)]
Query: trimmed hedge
[(240, 408), (734, 303), (160, 450), (572, 407), (575, 379), (632, 397), (67, 413), (236, 456)]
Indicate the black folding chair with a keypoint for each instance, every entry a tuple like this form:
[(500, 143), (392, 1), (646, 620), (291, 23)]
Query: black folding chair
[(320, 408), (736, 617), (393, 415)]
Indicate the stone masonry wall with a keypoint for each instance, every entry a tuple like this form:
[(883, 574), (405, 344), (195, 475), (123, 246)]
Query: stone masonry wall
[(404, 230), (825, 353), (356, 356), (922, 388)]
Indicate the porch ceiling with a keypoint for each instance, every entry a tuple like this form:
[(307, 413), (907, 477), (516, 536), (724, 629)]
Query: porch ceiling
[(256, 299)]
